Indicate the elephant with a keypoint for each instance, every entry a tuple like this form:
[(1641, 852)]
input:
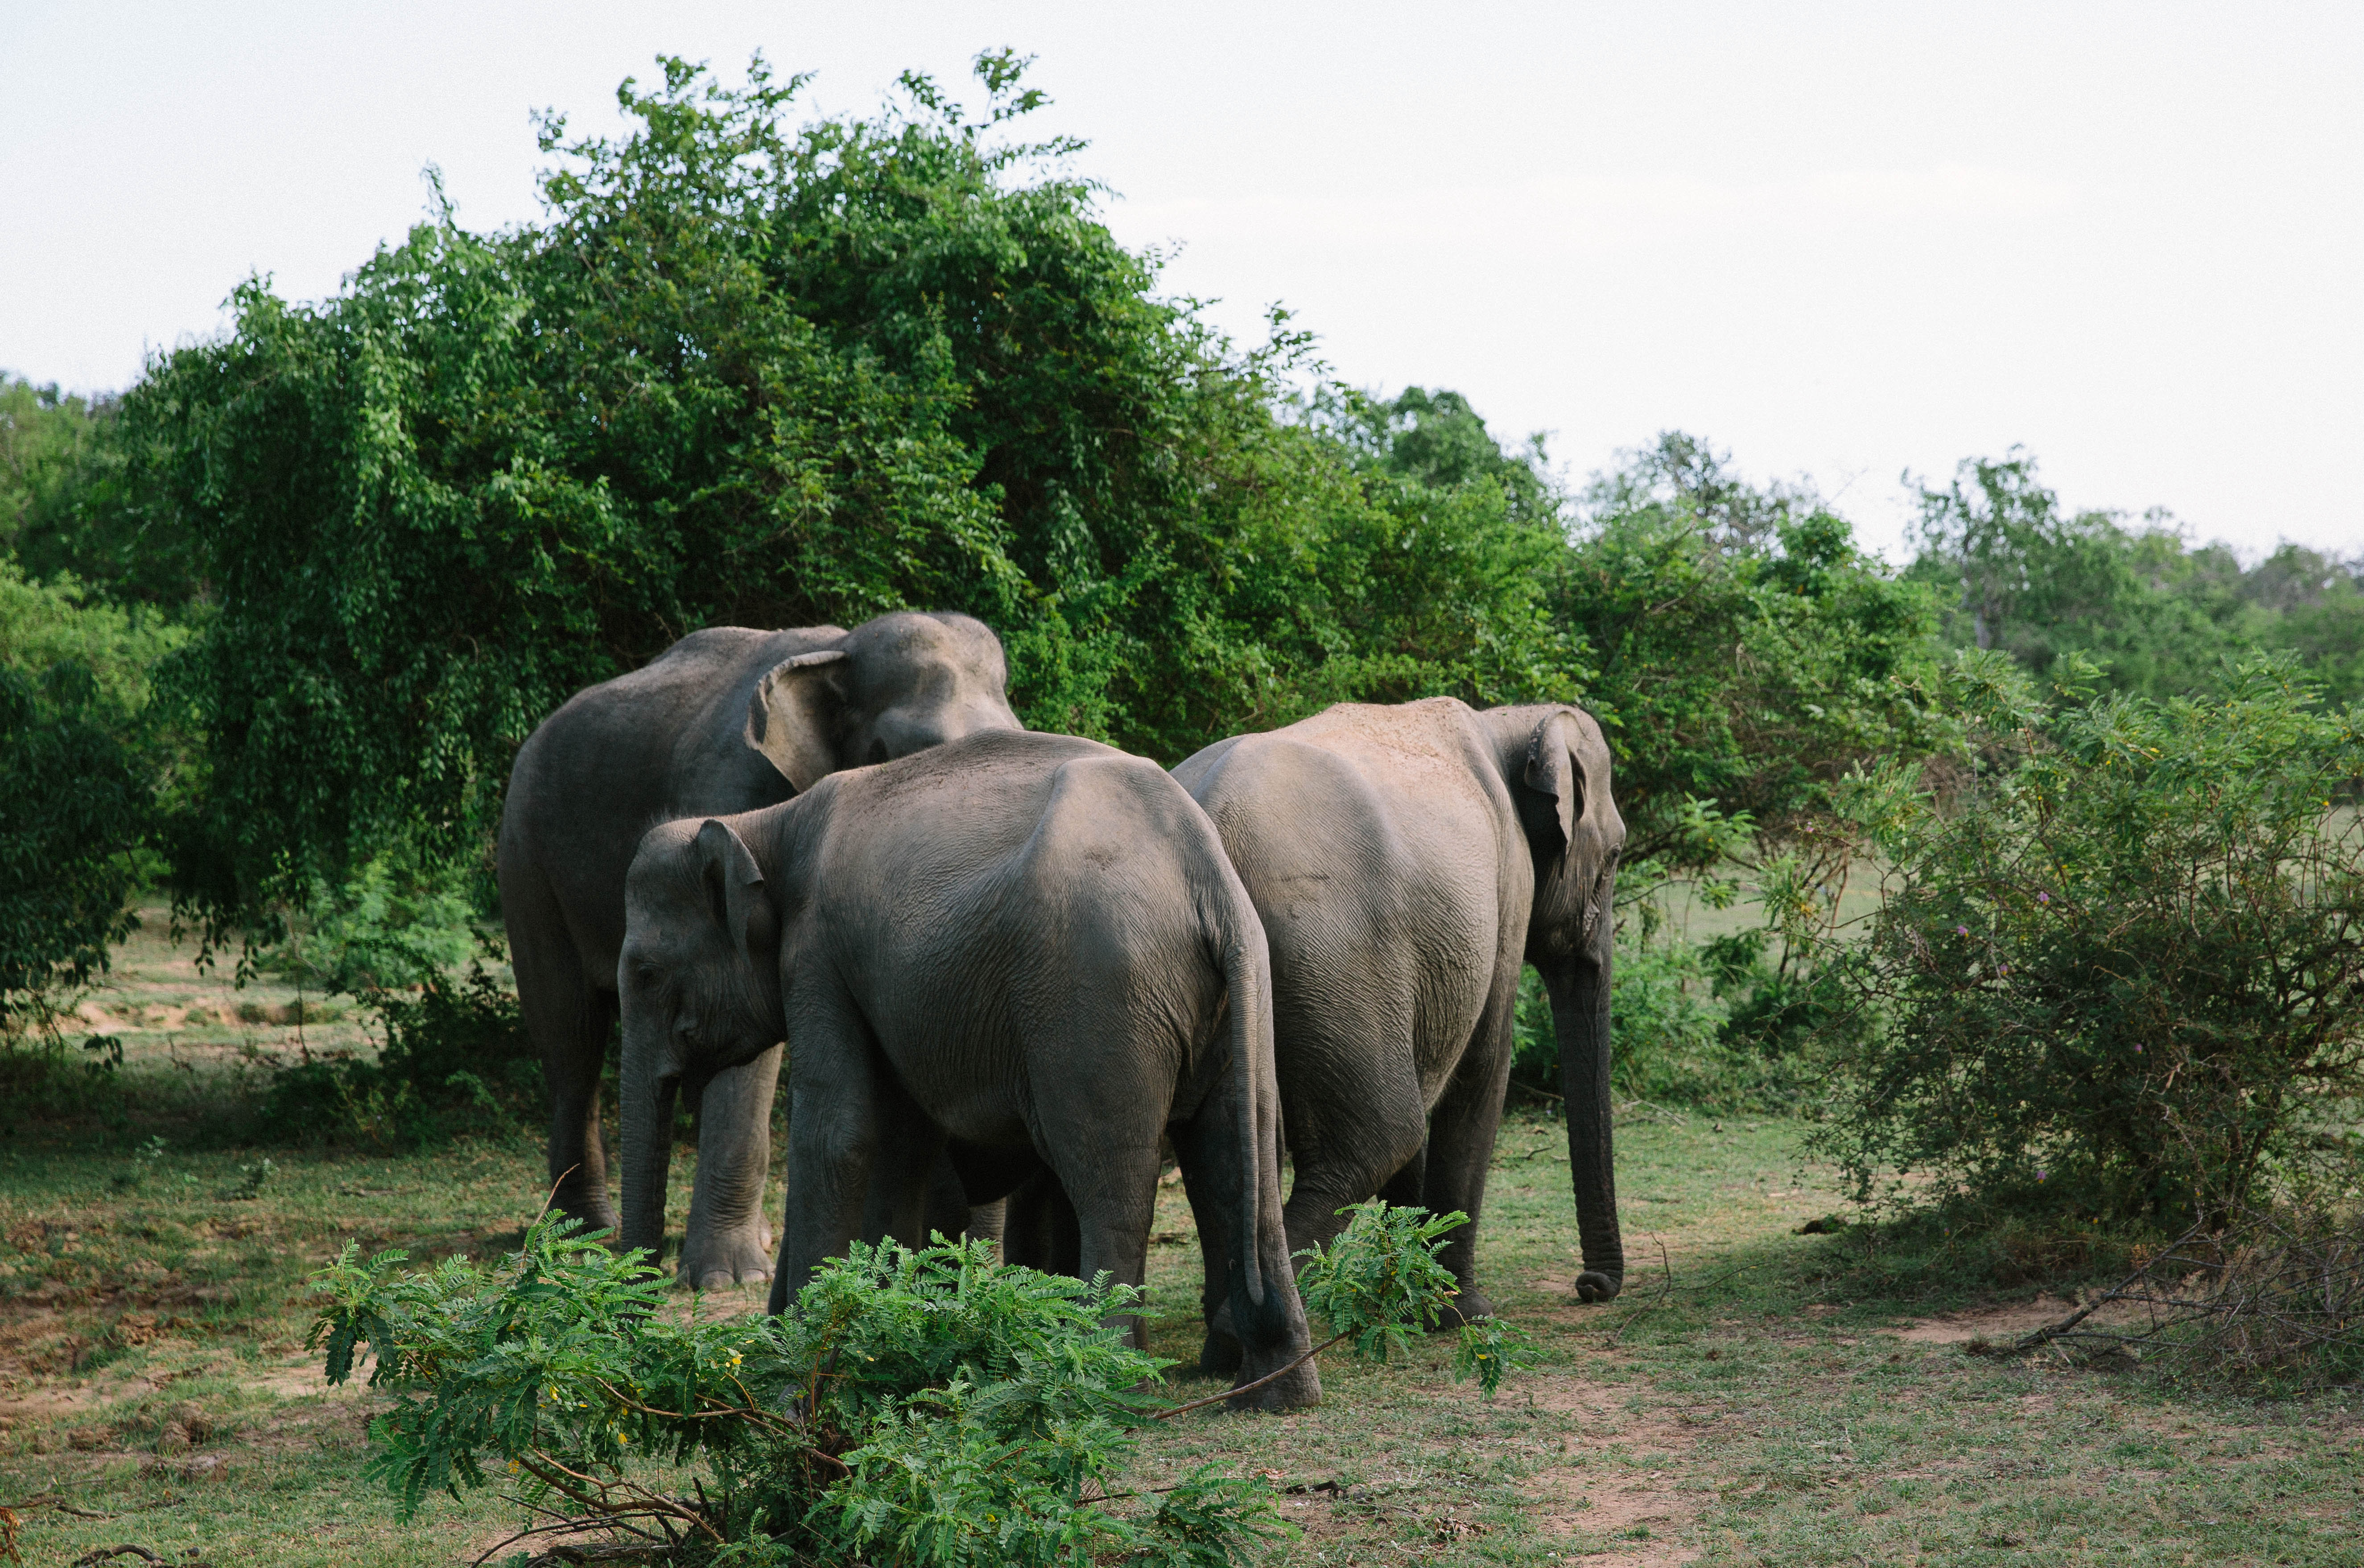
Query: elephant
[(726, 719), (1404, 861), (1026, 949)]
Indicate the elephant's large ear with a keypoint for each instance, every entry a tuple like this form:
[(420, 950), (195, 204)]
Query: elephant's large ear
[(1555, 771), (793, 713), (733, 884)]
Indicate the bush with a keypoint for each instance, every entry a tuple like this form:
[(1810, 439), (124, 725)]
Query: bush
[(394, 924), (82, 760), (73, 808), (2122, 976), (455, 1060), (916, 1407), (1687, 1028)]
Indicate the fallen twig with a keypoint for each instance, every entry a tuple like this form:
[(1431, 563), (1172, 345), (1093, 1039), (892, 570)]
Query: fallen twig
[(50, 1501), (563, 1525), (105, 1553), (1245, 1387), (2124, 1290), (2268, 1292), (1665, 1289)]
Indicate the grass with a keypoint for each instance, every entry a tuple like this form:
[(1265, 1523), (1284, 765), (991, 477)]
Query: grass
[(1755, 1397), (1744, 1402)]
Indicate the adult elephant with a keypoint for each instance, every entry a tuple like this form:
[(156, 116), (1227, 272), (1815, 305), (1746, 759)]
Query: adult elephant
[(1027, 949), (728, 720), (1405, 862)]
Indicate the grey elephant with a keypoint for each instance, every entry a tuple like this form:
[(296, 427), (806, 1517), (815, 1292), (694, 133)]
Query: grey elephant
[(728, 720), (1028, 948), (1405, 862)]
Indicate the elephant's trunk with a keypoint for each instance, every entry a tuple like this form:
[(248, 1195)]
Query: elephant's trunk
[(645, 1108), (1579, 999)]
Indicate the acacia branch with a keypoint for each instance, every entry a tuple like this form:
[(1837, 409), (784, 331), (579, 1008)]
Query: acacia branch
[(1249, 1387)]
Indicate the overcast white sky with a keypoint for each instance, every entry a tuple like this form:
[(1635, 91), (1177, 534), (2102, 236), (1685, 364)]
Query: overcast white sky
[(1841, 240)]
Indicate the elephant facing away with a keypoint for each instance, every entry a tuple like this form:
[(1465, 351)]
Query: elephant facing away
[(1405, 860), (728, 720), (1027, 948)]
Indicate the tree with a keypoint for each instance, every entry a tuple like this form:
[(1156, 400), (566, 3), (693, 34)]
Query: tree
[(746, 373), (1749, 656), (70, 499), (83, 757), (2160, 617)]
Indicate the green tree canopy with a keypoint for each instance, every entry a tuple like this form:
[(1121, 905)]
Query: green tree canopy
[(746, 371), (2160, 617), (1748, 654)]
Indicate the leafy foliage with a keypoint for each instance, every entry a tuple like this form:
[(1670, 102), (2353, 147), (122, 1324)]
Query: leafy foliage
[(67, 869), (456, 1060), (1749, 655), (2159, 617), (750, 372), (73, 500), (1378, 1281), (2120, 976), (396, 923), (920, 1406), (81, 759)]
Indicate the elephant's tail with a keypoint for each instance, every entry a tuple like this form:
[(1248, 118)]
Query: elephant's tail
[(1248, 981)]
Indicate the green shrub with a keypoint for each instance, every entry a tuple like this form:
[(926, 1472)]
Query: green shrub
[(1670, 1029), (394, 924), (73, 808), (455, 1059), (2120, 973), (916, 1407)]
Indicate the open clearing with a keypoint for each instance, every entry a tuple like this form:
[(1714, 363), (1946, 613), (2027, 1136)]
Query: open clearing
[(1755, 1397)]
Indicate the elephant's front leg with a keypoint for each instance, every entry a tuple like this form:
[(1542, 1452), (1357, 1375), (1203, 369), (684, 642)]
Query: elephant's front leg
[(727, 1241), (836, 1125), (1461, 1133)]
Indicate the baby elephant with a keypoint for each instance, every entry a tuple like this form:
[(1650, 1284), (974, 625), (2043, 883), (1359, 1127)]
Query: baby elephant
[(1031, 944)]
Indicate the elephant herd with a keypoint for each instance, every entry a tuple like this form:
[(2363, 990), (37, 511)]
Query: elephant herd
[(1012, 968)]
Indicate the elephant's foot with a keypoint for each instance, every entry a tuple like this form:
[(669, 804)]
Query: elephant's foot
[(724, 1260), (1594, 1285), (1221, 1355), (1298, 1388), (588, 1203), (1467, 1308)]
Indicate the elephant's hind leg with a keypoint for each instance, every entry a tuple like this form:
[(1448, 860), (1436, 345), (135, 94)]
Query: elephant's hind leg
[(1461, 1133)]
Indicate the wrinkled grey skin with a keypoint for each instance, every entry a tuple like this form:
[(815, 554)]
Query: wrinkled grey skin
[(1405, 860), (726, 719), (1029, 945)]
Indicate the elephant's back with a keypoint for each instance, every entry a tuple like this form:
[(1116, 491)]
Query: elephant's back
[(1368, 827), (1011, 884), (954, 823), (1377, 861)]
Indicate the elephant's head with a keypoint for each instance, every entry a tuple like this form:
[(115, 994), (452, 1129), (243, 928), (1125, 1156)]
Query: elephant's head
[(897, 685), (699, 984), (1561, 782), (1557, 769)]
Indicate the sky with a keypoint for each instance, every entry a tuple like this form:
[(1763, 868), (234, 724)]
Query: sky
[(1842, 242)]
